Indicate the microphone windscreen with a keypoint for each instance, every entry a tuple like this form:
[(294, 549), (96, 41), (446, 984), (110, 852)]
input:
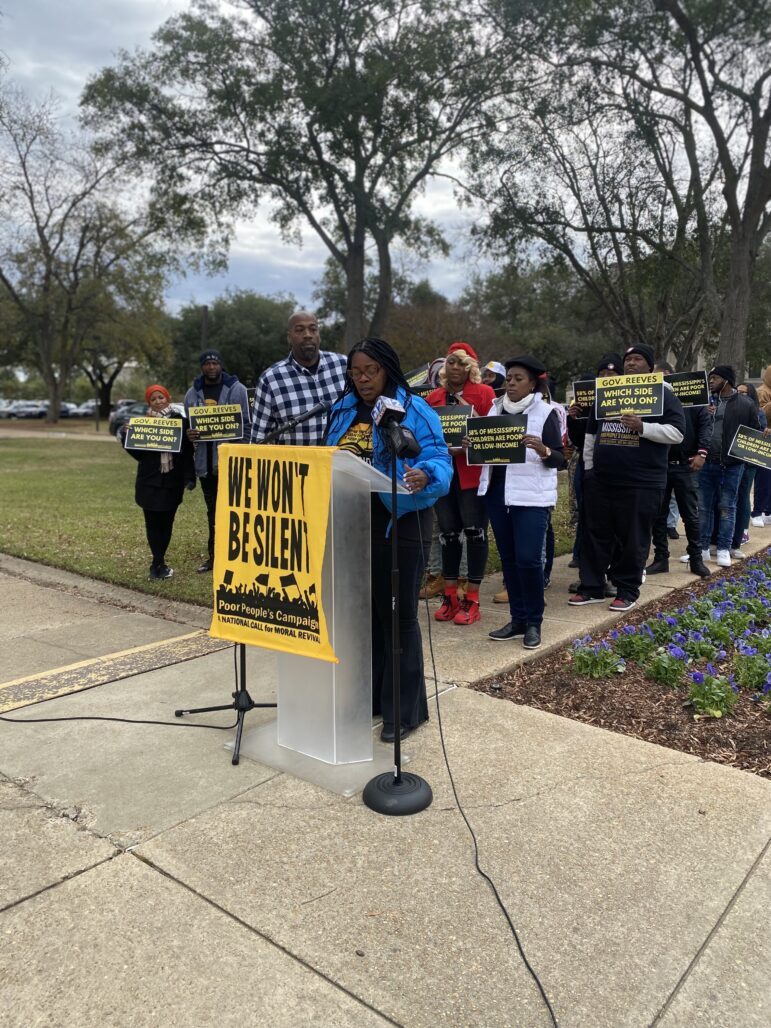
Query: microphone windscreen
[(388, 409)]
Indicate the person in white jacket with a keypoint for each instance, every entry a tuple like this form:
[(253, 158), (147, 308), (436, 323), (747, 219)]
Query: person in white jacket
[(520, 496)]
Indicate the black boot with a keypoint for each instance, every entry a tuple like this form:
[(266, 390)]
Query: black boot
[(660, 566), (698, 567)]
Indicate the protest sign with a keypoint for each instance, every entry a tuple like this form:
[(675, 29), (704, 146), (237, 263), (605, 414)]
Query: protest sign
[(417, 375), (690, 387), (217, 422), (583, 396), (639, 395), (497, 439), (161, 434), (272, 512), (751, 446), (453, 421)]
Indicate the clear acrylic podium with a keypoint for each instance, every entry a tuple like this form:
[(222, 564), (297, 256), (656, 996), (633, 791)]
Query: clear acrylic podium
[(324, 722)]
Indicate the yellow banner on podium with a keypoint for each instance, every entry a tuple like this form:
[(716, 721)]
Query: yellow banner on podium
[(272, 509)]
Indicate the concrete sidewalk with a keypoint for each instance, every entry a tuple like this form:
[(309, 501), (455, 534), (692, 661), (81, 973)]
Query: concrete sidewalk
[(146, 881)]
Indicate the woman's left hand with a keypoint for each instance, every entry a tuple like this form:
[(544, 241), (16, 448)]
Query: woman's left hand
[(534, 442), (415, 479)]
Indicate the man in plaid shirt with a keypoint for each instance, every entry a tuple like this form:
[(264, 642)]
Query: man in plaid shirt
[(306, 377)]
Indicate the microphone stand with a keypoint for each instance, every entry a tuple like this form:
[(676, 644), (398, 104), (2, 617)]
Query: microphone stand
[(395, 793)]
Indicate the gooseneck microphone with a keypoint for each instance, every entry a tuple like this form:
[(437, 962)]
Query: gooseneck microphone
[(306, 415)]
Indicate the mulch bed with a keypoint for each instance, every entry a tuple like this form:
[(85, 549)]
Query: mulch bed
[(631, 704)]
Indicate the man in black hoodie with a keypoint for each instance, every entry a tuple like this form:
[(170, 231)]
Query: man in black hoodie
[(686, 459), (720, 477)]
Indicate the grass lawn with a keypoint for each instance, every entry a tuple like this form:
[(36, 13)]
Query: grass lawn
[(69, 503)]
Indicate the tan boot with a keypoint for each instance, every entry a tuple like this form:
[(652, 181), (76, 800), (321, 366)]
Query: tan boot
[(501, 597), (462, 587), (434, 587)]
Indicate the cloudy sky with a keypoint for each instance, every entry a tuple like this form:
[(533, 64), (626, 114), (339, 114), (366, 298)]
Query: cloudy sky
[(54, 45)]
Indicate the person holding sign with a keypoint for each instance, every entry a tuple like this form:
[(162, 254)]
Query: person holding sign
[(213, 386), (625, 462), (161, 480), (461, 513), (520, 496), (373, 373)]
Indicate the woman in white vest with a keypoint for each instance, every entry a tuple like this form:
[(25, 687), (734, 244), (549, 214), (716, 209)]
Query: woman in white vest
[(520, 496)]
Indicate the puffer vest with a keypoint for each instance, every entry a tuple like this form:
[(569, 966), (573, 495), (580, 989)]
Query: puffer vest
[(529, 484)]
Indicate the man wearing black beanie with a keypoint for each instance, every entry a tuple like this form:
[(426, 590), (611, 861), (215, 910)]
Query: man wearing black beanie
[(721, 475), (626, 464), (213, 386)]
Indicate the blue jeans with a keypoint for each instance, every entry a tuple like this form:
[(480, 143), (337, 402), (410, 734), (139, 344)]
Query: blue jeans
[(743, 505), (718, 486), (520, 533)]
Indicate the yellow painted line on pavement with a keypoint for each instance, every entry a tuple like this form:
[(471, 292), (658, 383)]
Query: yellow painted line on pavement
[(111, 667)]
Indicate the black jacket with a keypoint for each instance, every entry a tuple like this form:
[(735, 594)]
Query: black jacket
[(698, 429), (157, 490), (739, 410)]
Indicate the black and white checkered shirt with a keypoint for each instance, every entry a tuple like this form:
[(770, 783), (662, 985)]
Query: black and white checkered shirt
[(286, 389)]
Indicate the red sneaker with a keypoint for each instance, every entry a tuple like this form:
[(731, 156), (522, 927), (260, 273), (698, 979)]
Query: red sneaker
[(468, 613), (449, 607)]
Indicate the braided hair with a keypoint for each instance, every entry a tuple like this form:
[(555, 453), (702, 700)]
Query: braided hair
[(385, 355)]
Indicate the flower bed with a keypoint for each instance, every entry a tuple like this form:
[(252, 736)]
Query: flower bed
[(692, 672)]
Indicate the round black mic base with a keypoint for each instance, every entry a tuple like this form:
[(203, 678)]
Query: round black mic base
[(385, 795)]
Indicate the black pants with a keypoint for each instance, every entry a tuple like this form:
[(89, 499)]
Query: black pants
[(617, 528), (461, 513), (158, 528), (414, 542), (684, 483), (209, 489)]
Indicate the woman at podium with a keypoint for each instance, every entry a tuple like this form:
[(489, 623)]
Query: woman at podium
[(376, 396)]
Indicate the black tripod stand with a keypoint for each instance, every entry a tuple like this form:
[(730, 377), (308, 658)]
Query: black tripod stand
[(242, 702), (396, 793)]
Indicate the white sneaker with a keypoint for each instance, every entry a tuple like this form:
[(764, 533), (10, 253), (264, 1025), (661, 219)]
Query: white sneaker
[(767, 519), (738, 554), (758, 522), (684, 559), (706, 555), (723, 559), (644, 576)]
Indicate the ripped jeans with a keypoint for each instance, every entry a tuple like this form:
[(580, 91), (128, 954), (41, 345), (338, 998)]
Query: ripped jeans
[(462, 514)]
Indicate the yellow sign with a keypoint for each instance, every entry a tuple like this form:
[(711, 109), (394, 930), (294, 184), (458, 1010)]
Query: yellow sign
[(218, 421), (639, 395), (272, 508), (154, 434)]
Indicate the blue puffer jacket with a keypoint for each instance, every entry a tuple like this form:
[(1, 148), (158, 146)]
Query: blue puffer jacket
[(434, 458)]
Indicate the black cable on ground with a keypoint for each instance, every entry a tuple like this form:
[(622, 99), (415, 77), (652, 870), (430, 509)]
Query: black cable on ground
[(462, 812), (123, 720)]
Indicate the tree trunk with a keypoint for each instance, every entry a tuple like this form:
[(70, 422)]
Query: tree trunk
[(354, 298), (384, 286), (732, 348)]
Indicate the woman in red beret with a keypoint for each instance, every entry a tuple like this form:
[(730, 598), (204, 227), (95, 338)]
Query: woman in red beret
[(461, 513), (162, 477)]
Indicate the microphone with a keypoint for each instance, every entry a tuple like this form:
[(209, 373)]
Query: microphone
[(387, 412), (386, 415), (320, 408)]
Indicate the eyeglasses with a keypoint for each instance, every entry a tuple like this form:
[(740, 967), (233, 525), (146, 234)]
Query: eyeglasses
[(370, 372)]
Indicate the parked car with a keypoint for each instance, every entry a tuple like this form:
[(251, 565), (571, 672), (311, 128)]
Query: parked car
[(85, 410), (5, 408), (120, 416), (29, 409)]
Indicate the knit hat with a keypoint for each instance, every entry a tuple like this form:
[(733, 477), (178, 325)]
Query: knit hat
[(609, 362), (466, 347), (432, 375), (646, 352), (526, 361), (210, 355), (157, 389), (496, 367), (726, 372)]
